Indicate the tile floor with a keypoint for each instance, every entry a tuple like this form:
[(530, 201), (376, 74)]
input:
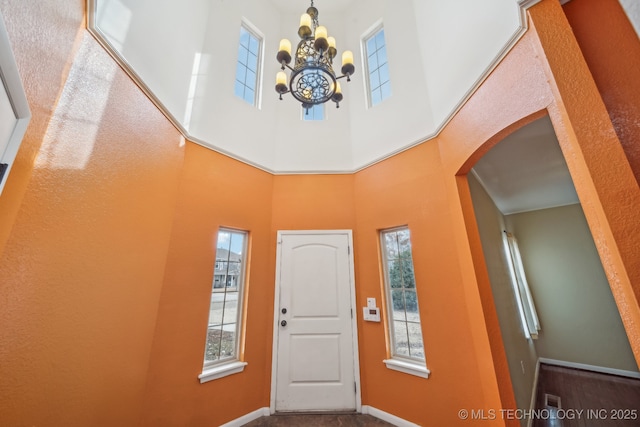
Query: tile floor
[(319, 420)]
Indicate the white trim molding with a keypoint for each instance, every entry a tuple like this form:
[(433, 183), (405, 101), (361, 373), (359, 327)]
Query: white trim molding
[(238, 422), (586, 367), (220, 371), (385, 416), (11, 83), (407, 367)]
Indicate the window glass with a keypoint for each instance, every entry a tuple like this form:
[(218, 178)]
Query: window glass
[(226, 297), (316, 112), (246, 81), (377, 68), (402, 298)]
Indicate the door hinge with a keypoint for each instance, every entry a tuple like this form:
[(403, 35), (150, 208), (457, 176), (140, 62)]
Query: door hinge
[(349, 250), (355, 388)]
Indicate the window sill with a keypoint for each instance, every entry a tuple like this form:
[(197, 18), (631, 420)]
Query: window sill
[(220, 371), (407, 367)]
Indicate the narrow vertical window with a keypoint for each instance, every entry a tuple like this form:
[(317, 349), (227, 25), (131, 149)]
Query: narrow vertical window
[(246, 84), (403, 314), (225, 313), (377, 67), (314, 113), (524, 300)]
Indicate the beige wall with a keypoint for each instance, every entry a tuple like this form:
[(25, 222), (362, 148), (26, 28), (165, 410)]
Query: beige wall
[(517, 347), (579, 318)]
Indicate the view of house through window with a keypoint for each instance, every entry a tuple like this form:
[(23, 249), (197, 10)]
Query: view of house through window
[(246, 85), (377, 68), (402, 299), (226, 297)]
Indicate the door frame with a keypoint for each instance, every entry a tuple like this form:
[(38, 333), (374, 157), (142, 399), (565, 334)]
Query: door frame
[(276, 317)]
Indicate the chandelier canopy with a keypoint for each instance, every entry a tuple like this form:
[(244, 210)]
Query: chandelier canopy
[(312, 79)]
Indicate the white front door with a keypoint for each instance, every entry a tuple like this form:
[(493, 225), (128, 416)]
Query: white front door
[(315, 347)]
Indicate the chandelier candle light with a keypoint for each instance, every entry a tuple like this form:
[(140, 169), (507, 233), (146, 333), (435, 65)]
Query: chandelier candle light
[(312, 79)]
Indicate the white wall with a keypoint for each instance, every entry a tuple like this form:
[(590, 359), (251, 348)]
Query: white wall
[(222, 120), (404, 118), (632, 8), (159, 39), (579, 318), (434, 49), (458, 41)]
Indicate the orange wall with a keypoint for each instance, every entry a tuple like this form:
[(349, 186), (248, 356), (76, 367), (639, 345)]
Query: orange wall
[(214, 191), (598, 164), (598, 25), (59, 40), (107, 267), (410, 189), (84, 255)]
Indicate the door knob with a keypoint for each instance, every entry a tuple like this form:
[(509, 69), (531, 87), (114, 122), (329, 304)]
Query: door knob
[(283, 323)]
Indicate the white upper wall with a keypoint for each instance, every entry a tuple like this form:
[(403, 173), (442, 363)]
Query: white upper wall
[(459, 42), (436, 56)]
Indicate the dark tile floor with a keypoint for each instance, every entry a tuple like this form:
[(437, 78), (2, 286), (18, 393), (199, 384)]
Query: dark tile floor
[(319, 420), (586, 399)]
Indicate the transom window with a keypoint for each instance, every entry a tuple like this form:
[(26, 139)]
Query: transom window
[(377, 67), (246, 84), (403, 314), (226, 306), (314, 113)]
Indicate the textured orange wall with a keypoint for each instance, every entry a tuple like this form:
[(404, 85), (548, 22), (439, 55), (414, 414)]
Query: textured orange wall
[(214, 191), (611, 48), (598, 164), (410, 189), (33, 34), (313, 202), (83, 262), (107, 261)]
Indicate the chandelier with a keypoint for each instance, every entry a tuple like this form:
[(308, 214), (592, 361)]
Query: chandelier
[(312, 79)]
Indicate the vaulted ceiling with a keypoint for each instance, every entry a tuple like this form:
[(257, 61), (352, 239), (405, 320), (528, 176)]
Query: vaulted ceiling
[(185, 53)]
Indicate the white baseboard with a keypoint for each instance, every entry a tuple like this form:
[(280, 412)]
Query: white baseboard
[(534, 392), (602, 369), (262, 412), (385, 416)]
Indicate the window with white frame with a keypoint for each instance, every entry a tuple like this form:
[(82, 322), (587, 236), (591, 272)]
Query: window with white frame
[(247, 68), (524, 299), (403, 314), (315, 113), (378, 80), (225, 313)]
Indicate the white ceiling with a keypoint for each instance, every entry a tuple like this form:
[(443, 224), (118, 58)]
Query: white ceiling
[(330, 6), (526, 171)]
